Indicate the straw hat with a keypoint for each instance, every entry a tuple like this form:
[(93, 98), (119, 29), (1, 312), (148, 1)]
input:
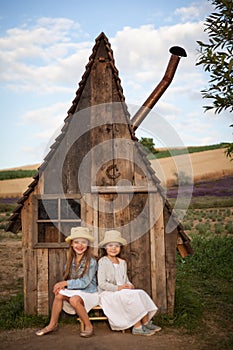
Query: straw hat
[(80, 232), (112, 236)]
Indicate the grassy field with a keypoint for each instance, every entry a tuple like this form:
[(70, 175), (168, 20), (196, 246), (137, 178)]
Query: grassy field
[(16, 174), (179, 151)]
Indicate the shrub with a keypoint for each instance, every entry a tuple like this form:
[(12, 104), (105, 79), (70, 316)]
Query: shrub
[(229, 227), (202, 228), (187, 226), (218, 228)]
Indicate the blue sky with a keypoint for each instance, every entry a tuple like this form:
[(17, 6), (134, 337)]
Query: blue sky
[(45, 46)]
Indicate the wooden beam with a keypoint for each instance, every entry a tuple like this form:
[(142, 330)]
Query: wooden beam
[(123, 189)]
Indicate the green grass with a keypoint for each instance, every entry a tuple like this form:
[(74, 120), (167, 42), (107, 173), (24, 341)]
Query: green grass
[(16, 174), (12, 315)]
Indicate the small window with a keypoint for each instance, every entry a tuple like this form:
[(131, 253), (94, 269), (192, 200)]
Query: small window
[(47, 209), (70, 209), (55, 217)]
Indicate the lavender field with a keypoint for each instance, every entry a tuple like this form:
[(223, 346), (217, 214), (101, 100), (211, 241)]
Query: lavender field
[(222, 187)]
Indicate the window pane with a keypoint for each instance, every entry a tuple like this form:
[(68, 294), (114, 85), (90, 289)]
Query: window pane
[(66, 228), (47, 209), (70, 209), (47, 233)]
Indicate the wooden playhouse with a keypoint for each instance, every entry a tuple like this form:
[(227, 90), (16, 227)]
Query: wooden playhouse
[(97, 174)]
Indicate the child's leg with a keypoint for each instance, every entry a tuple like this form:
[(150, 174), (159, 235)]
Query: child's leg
[(56, 310), (145, 319), (78, 304)]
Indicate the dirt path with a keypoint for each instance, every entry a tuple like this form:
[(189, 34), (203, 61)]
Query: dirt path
[(67, 338)]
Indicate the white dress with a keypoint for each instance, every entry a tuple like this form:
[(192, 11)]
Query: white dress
[(90, 300), (126, 307)]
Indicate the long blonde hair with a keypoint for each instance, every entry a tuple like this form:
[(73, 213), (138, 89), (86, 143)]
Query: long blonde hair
[(88, 254)]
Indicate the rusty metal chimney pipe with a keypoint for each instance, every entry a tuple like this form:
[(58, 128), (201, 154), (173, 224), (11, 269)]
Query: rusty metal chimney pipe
[(177, 52)]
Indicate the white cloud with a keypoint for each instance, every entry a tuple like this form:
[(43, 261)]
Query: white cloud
[(43, 58), (40, 57), (45, 118), (195, 11), (187, 13)]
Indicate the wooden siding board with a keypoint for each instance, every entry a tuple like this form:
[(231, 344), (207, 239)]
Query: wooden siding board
[(101, 125), (158, 270), (27, 223), (170, 257), (42, 282), (78, 146), (122, 223), (140, 242), (89, 215), (106, 213), (56, 265), (123, 154), (30, 281)]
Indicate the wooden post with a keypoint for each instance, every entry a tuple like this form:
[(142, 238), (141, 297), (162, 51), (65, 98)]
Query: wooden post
[(158, 268)]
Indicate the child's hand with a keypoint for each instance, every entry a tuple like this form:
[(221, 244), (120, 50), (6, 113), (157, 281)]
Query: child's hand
[(58, 286), (125, 286)]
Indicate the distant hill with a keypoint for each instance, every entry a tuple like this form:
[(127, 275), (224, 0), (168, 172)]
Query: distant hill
[(206, 165), (23, 167)]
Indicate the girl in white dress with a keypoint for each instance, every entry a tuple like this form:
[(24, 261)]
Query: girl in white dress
[(78, 291), (122, 304)]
